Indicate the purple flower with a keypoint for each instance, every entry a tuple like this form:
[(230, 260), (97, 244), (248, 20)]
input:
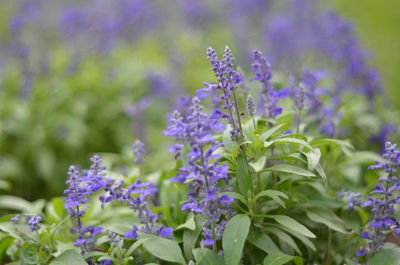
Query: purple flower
[(86, 237), (138, 150), (135, 197), (203, 174), (250, 105), (79, 188), (353, 199), (33, 222), (269, 97), (76, 193), (16, 219), (382, 202), (228, 80), (95, 178)]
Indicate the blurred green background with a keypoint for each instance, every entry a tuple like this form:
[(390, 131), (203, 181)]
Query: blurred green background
[(86, 101), (378, 25)]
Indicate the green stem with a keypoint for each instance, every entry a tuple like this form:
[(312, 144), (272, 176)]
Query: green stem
[(298, 121)]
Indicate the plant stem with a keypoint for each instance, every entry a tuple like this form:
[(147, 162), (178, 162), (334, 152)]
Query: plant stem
[(298, 121)]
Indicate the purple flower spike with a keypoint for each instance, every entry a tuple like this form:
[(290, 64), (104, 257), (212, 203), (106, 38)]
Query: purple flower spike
[(204, 174), (382, 202)]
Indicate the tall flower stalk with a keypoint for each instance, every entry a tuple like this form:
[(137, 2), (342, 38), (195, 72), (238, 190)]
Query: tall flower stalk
[(204, 174), (76, 196), (269, 97), (382, 202)]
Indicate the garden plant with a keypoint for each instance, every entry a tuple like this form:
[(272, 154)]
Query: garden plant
[(286, 155)]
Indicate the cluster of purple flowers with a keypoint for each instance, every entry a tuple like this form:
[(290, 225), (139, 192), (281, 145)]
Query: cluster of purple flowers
[(382, 202), (80, 187), (135, 197), (76, 196), (32, 221), (138, 150), (270, 97), (353, 199), (228, 81), (203, 173)]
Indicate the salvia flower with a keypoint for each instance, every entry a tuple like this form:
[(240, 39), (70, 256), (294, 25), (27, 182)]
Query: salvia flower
[(250, 105), (299, 97), (86, 237), (79, 188), (353, 199), (136, 196), (138, 150), (269, 97), (95, 178), (16, 219), (204, 174), (33, 222), (228, 81), (382, 202), (76, 194)]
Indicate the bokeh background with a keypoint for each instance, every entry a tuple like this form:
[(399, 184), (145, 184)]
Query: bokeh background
[(84, 77)]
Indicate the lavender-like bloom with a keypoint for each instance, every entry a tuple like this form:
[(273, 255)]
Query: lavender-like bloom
[(138, 150), (250, 105), (16, 219), (86, 237), (299, 97), (114, 239), (228, 80), (33, 222), (270, 98), (135, 197), (95, 177), (77, 194), (204, 174), (353, 199), (382, 202)]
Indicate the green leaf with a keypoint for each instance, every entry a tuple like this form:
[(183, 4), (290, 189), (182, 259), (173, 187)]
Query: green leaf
[(205, 256), (388, 255), (327, 141), (313, 157), (190, 237), (264, 136), (284, 237), (273, 194), (242, 175), (288, 140), (94, 254), (15, 203), (189, 224), (259, 164), (237, 196), (327, 218), (307, 242), (292, 224), (135, 245), (321, 173), (234, 237), (280, 259), (263, 242), (164, 249), (285, 168), (68, 257)]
